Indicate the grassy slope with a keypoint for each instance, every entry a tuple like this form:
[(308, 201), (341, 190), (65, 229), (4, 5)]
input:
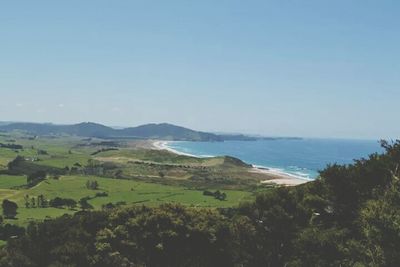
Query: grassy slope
[(223, 172), (57, 149)]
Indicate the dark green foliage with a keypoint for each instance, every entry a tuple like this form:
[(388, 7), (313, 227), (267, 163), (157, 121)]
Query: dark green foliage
[(42, 152), (110, 205), (59, 202), (118, 174), (9, 208), (101, 194), (92, 184), (10, 230), (36, 202), (42, 202), (380, 228), (208, 193), (15, 163), (22, 166), (11, 146), (167, 236), (103, 150), (217, 194), (36, 177), (83, 202)]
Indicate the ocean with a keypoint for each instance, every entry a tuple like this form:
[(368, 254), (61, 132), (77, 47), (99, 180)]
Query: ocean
[(298, 157)]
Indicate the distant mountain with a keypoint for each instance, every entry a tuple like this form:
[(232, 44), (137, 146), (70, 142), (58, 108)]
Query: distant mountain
[(167, 131), (163, 131), (89, 129), (237, 137), (33, 128)]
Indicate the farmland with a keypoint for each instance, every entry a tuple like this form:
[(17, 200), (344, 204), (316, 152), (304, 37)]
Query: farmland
[(127, 173)]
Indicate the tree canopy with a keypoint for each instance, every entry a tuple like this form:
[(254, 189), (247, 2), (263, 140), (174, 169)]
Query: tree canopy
[(9, 208)]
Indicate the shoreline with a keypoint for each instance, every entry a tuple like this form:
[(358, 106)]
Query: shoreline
[(277, 177), (163, 145)]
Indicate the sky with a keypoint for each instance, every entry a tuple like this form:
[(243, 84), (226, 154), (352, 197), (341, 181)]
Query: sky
[(312, 68)]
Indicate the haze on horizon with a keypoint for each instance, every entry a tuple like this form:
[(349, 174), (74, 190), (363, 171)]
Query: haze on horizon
[(314, 69)]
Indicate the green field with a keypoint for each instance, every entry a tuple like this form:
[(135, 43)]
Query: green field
[(129, 174), (11, 181), (130, 192)]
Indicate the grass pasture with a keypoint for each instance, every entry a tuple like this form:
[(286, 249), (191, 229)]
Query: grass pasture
[(10, 181), (131, 192), (150, 177)]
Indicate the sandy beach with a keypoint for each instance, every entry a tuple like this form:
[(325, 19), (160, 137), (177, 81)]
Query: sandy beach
[(273, 176), (163, 145), (279, 178)]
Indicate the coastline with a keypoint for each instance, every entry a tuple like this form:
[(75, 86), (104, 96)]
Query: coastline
[(278, 177), (163, 145), (275, 176)]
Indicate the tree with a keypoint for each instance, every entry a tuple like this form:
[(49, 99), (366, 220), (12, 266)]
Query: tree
[(36, 177), (9, 208), (380, 225), (41, 201), (85, 204), (60, 202), (92, 184), (27, 201), (217, 194), (12, 165), (118, 174), (33, 202), (42, 152)]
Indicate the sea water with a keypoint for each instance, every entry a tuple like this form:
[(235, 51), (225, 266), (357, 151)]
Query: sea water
[(300, 157)]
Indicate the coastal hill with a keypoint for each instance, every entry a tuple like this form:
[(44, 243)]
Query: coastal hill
[(168, 132), (163, 131), (82, 129)]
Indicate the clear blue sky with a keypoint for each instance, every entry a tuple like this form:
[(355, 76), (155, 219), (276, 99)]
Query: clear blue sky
[(298, 68)]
